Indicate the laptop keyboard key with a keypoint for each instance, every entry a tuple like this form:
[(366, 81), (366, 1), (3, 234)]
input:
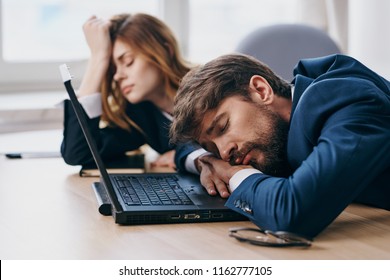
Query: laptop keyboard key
[(160, 190)]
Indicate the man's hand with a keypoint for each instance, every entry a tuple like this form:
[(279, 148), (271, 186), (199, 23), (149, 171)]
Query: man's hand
[(216, 173)]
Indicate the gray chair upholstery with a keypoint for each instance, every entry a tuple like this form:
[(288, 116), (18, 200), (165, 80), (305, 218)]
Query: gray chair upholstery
[(281, 46)]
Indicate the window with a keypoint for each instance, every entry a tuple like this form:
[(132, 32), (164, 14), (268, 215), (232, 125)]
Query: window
[(52, 28), (38, 35)]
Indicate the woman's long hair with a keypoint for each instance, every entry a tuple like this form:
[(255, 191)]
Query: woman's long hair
[(152, 39)]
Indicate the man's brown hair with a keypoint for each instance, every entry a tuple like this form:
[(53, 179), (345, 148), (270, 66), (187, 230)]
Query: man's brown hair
[(205, 87)]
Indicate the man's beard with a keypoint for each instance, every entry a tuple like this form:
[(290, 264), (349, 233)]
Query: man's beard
[(272, 144)]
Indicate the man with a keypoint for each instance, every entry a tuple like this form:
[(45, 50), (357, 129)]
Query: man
[(289, 156)]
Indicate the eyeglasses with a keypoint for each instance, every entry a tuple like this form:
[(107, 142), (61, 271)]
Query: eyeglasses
[(258, 236)]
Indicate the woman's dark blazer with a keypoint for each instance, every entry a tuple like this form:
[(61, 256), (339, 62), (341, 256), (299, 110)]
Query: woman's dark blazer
[(112, 141)]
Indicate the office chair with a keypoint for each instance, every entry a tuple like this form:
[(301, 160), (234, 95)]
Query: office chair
[(281, 46)]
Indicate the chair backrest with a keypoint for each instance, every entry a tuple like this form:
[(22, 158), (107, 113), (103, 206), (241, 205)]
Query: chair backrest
[(281, 46)]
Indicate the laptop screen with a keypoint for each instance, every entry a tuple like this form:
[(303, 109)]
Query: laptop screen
[(66, 77)]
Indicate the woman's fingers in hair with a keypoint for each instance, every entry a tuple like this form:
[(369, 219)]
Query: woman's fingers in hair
[(92, 17), (94, 22)]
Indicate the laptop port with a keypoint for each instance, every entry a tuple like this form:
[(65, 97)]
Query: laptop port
[(205, 216), (191, 216), (175, 217), (217, 216)]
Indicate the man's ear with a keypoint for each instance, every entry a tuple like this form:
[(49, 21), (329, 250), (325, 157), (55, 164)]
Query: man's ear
[(261, 90)]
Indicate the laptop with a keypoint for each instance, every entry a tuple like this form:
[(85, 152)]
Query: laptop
[(149, 198)]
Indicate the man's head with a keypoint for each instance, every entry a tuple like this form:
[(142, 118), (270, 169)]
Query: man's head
[(237, 108)]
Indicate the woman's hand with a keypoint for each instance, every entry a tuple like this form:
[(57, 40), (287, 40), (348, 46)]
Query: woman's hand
[(97, 35), (165, 160)]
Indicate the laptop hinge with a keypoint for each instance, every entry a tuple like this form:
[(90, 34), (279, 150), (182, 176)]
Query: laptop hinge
[(104, 205)]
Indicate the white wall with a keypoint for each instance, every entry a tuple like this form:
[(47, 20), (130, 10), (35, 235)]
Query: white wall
[(360, 27), (369, 34)]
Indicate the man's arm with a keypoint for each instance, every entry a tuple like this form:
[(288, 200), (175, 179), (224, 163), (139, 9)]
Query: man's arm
[(182, 152), (348, 148)]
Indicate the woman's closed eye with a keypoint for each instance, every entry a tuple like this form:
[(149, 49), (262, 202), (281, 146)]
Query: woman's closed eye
[(129, 63)]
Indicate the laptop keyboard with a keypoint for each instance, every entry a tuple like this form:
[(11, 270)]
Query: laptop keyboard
[(153, 190)]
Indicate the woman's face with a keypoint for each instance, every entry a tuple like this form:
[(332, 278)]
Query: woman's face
[(138, 79)]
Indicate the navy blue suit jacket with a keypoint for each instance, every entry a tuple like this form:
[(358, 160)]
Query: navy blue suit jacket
[(338, 148), (113, 142)]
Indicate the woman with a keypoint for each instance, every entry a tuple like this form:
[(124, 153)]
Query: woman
[(130, 82)]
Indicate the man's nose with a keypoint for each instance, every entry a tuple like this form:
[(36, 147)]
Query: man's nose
[(226, 150)]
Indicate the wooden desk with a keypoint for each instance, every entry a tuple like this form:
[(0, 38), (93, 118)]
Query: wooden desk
[(48, 212)]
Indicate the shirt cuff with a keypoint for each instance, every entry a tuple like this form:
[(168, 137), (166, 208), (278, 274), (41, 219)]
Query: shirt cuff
[(240, 176), (189, 163), (92, 104)]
